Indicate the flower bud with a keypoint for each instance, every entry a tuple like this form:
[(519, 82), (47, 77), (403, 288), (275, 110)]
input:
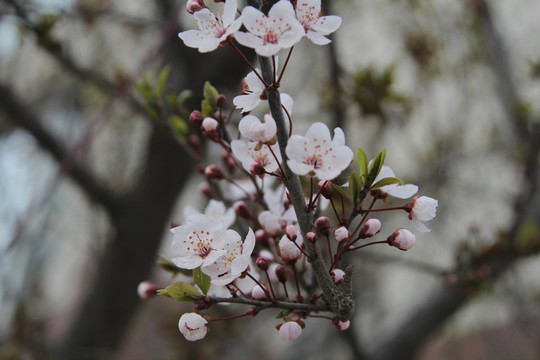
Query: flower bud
[(210, 126), (326, 188), (292, 232), (146, 290), (338, 276), (290, 331), (342, 325), (213, 171), (221, 101), (193, 6), (288, 250), (342, 234), (312, 237), (371, 227), (266, 255), (258, 293), (242, 210), (229, 162), (262, 264), (192, 326), (403, 239), (281, 274), (195, 144), (322, 224), (196, 117), (261, 236), (257, 169), (206, 190)]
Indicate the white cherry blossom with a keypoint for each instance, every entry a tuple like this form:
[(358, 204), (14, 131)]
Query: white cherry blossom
[(269, 34), (316, 154), (216, 211), (235, 260), (403, 239), (214, 29), (423, 208), (316, 26), (404, 191), (258, 130), (252, 92), (252, 153), (192, 326), (198, 242)]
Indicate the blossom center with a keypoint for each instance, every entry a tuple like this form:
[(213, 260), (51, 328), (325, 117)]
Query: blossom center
[(314, 160), (270, 38)]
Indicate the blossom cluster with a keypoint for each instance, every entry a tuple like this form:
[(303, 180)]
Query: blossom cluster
[(248, 244)]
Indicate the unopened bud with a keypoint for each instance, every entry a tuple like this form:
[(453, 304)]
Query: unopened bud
[(403, 239), (262, 264), (342, 234), (196, 117), (338, 276), (258, 293), (206, 190), (290, 331), (371, 227), (213, 171), (210, 127), (341, 325), (292, 232), (322, 224), (261, 236), (229, 162), (221, 101), (267, 255), (326, 188), (281, 274), (256, 168), (312, 237), (146, 290), (195, 144), (193, 6), (241, 209)]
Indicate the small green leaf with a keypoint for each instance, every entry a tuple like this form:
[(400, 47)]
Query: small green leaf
[(162, 80), (283, 313), (151, 110), (179, 126), (181, 291), (202, 280), (355, 186), (375, 168), (386, 181), (209, 104), (362, 163), (342, 191)]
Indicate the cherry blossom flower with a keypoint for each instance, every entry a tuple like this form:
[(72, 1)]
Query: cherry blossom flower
[(216, 211), (235, 260), (290, 331), (214, 29), (403, 239), (422, 208), (404, 191), (269, 34), (252, 92), (316, 27), (254, 153), (198, 242), (258, 130), (192, 326), (272, 223), (316, 154)]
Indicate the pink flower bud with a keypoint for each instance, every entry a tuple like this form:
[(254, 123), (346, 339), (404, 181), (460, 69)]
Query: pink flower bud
[(196, 117), (288, 250), (312, 237), (258, 293), (342, 234), (213, 171), (343, 325), (371, 227), (192, 326), (338, 276), (266, 255), (210, 126), (257, 169), (146, 290), (282, 274), (193, 6), (229, 162), (290, 331), (326, 188), (221, 101), (292, 232), (206, 189), (241, 209), (262, 264), (195, 143), (322, 224), (403, 239)]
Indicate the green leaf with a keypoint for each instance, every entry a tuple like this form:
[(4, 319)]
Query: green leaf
[(362, 163), (181, 291), (342, 191), (355, 186), (151, 110), (283, 313), (386, 181), (162, 80), (209, 104), (375, 168), (179, 126), (202, 280)]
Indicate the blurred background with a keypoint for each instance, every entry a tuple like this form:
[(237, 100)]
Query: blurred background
[(90, 178)]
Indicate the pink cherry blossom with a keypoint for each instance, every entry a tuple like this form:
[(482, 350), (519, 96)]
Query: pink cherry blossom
[(316, 27), (290, 331), (192, 326), (214, 29), (269, 34), (255, 153), (316, 154)]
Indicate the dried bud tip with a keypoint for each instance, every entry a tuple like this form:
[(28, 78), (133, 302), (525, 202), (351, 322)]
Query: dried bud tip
[(221, 101)]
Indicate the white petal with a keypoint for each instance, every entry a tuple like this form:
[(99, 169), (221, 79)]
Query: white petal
[(339, 137), (400, 191), (247, 102), (229, 12), (420, 226), (252, 19), (319, 131), (186, 262), (316, 38), (248, 39), (326, 24), (282, 9)]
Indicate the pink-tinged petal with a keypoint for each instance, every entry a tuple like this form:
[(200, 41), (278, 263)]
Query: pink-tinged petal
[(317, 38), (254, 20), (190, 262), (248, 40), (229, 12), (326, 24)]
